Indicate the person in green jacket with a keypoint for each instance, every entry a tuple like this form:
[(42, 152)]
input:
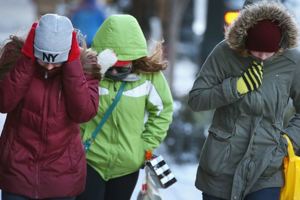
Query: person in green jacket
[(141, 118), (248, 80)]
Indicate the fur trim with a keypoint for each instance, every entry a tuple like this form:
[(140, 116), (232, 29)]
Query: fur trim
[(236, 34)]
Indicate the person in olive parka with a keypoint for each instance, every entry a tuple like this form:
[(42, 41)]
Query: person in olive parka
[(248, 79)]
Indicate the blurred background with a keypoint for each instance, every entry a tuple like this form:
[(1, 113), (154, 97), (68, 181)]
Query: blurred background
[(189, 28)]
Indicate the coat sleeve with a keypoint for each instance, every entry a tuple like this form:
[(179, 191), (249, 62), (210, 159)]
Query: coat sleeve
[(15, 84), (159, 106), (81, 92), (293, 128), (212, 87)]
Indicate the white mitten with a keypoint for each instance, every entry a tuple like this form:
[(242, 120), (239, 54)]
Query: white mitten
[(106, 59)]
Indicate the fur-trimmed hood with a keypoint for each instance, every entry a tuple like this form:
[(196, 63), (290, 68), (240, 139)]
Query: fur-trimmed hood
[(236, 34)]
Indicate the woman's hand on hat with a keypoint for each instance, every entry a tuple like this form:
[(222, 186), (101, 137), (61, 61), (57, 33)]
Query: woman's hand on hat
[(75, 49), (27, 48)]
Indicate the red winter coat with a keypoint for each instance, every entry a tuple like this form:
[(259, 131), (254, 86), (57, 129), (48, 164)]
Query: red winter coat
[(41, 154)]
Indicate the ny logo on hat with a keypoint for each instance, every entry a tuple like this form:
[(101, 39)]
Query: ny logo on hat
[(49, 57)]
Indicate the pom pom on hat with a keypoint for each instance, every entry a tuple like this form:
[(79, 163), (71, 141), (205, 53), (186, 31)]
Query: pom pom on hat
[(53, 38), (264, 36)]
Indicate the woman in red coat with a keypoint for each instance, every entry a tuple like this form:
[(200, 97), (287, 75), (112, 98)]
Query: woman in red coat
[(46, 94)]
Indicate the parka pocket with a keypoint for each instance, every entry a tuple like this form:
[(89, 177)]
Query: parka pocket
[(275, 163), (215, 152)]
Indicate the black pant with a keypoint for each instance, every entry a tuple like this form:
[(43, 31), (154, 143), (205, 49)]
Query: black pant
[(115, 189), (10, 196)]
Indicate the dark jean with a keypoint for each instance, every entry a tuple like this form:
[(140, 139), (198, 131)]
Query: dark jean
[(96, 188), (264, 194), (10, 196)]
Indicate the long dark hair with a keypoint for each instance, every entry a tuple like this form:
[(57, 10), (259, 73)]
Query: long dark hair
[(10, 52), (153, 63)]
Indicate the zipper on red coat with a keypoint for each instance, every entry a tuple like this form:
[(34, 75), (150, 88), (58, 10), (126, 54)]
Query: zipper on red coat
[(43, 133), (45, 113)]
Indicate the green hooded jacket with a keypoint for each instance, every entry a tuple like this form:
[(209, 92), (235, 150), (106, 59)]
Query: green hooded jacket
[(123, 34), (244, 150), (141, 118)]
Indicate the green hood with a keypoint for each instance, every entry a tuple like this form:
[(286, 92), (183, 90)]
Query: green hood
[(123, 35)]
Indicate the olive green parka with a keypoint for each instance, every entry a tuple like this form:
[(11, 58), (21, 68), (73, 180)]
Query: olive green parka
[(244, 150)]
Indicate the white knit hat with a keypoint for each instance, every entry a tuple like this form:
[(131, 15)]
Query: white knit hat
[(53, 38)]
